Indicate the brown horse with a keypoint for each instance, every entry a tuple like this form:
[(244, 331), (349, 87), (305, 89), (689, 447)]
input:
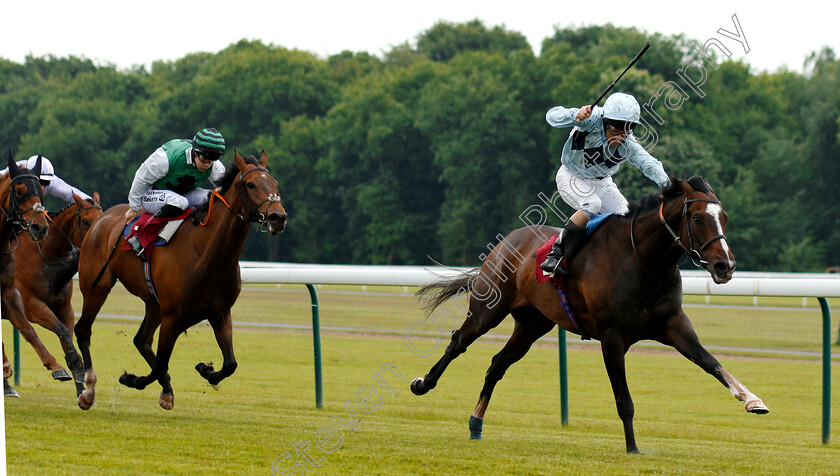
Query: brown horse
[(624, 286), (196, 275), (20, 197), (44, 274)]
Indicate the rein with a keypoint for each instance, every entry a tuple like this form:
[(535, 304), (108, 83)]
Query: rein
[(690, 251), (257, 217), (77, 227)]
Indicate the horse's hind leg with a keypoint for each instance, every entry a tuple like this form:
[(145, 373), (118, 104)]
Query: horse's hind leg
[(679, 333), (530, 325), (481, 319), (166, 342), (143, 342)]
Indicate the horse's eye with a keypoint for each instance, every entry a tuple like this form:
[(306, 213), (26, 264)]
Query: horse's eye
[(251, 185), (85, 223), (698, 219)]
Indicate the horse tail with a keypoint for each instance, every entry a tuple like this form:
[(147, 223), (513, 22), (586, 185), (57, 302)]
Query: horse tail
[(434, 294)]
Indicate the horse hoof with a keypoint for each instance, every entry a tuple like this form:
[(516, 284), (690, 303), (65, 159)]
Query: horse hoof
[(757, 407), (417, 386), (84, 402), (129, 380), (9, 391), (167, 402), (61, 375)]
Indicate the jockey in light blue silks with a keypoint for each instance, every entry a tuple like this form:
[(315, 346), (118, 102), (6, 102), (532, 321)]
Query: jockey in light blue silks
[(52, 183), (600, 141), (167, 182)]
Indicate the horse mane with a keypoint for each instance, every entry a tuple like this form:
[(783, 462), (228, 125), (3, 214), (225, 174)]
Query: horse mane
[(224, 183), (673, 190), (60, 271)]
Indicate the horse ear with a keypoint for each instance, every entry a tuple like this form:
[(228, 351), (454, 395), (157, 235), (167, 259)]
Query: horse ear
[(686, 187), (240, 162), (95, 198), (263, 159), (13, 168), (80, 202)]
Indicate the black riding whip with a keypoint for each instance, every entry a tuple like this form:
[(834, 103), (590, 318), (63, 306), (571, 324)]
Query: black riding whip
[(638, 55)]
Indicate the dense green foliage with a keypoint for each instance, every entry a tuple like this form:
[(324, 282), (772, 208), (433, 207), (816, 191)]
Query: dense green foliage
[(440, 145)]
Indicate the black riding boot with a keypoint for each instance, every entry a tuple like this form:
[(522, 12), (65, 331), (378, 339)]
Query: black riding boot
[(167, 211), (554, 260), (571, 239)]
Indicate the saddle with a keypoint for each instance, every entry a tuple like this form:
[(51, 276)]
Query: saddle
[(151, 231)]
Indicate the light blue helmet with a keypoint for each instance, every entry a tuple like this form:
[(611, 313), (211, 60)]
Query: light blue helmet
[(621, 107)]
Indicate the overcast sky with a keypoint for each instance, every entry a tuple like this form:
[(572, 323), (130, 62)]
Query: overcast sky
[(131, 33)]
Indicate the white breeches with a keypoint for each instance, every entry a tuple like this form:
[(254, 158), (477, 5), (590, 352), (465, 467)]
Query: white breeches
[(154, 200), (592, 196)]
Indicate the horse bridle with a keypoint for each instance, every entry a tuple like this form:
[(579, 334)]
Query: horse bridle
[(690, 251), (77, 228), (14, 215), (257, 217)]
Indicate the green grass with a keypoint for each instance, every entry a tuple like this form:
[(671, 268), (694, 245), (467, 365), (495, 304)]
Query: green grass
[(686, 422)]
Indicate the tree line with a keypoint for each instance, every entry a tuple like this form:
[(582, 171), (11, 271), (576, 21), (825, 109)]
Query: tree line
[(439, 145)]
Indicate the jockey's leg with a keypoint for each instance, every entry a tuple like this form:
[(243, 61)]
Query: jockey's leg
[(581, 194), (568, 242), (155, 200)]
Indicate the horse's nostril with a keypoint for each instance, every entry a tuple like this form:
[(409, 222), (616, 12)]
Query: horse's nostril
[(277, 218), (721, 267)]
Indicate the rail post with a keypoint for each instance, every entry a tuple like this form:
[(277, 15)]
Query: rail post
[(826, 389), (564, 377), (316, 344)]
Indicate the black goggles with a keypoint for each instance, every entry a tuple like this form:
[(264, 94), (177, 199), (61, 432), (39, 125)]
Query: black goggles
[(620, 126)]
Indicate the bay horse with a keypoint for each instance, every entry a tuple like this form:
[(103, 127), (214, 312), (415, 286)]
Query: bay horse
[(196, 275), (43, 276), (20, 197), (624, 286)]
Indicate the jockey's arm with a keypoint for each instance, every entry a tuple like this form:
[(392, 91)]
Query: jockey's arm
[(151, 170), (650, 166), (218, 172), (560, 116), (63, 190)]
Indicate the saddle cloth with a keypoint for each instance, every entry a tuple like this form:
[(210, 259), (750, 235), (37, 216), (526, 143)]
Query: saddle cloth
[(148, 229)]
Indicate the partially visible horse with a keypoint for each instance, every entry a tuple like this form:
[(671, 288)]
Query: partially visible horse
[(20, 198), (196, 275), (44, 274), (624, 286)]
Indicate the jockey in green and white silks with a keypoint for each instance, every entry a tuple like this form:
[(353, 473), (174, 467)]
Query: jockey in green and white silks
[(600, 141), (168, 181)]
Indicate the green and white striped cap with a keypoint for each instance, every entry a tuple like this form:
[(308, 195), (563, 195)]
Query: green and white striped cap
[(209, 140)]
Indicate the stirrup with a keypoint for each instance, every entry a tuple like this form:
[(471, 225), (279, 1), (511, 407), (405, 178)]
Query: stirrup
[(135, 246)]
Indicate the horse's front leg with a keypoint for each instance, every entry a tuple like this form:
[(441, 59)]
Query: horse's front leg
[(613, 348), (679, 333), (13, 310), (223, 328)]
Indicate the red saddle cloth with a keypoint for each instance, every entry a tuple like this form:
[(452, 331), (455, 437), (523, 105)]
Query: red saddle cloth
[(147, 227), (557, 280)]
